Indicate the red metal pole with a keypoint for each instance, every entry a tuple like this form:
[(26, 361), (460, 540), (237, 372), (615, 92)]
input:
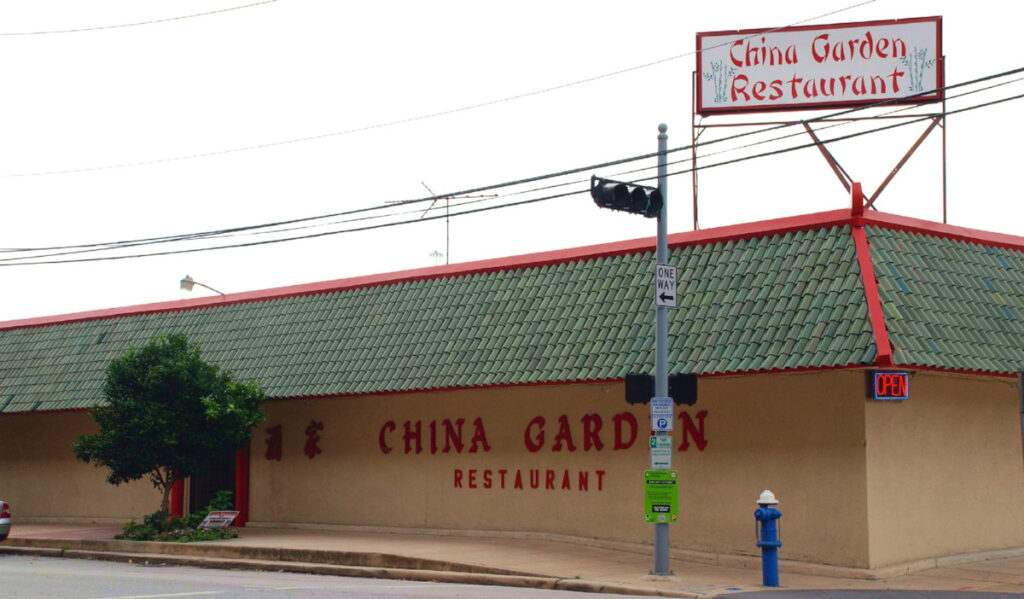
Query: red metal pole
[(943, 142), (693, 144), (242, 485)]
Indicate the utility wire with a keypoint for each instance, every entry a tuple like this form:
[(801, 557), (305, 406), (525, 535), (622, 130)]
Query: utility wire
[(412, 119), (230, 231), (227, 231), (517, 203), (842, 138), (137, 24)]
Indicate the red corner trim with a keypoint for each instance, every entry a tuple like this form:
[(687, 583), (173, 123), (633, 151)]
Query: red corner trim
[(874, 301), (178, 498), (242, 485)]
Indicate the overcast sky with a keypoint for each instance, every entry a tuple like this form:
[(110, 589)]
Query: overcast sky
[(339, 74)]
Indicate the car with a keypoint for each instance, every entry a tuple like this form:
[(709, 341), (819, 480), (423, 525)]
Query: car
[(5, 520)]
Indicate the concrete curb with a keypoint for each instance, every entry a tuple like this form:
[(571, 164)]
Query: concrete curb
[(329, 569), (272, 554)]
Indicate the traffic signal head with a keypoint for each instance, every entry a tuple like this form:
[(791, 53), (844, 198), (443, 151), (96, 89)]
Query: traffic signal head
[(639, 388), (626, 197), (682, 388)]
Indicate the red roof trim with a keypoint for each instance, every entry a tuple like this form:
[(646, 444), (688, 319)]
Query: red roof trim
[(707, 236), (606, 381), (874, 301), (925, 227)]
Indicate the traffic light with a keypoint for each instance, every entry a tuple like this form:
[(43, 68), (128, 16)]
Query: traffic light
[(682, 388), (639, 388), (626, 197)]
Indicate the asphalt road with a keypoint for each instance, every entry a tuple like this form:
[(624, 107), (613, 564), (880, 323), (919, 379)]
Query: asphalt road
[(24, 577)]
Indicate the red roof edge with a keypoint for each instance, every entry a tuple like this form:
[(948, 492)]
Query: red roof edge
[(720, 234), (707, 236), (798, 370), (926, 227)]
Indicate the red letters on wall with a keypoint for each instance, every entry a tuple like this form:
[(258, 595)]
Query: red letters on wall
[(312, 439), (448, 436), (274, 443)]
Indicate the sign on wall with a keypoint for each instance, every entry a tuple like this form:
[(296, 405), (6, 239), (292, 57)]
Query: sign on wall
[(832, 66), (886, 385)]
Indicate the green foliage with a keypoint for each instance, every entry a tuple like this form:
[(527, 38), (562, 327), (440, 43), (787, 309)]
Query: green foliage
[(160, 526), (168, 414), (222, 500)]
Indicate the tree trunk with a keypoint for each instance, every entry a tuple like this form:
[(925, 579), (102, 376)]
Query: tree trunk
[(165, 503)]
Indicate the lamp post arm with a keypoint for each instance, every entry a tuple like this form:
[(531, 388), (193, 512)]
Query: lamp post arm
[(208, 287)]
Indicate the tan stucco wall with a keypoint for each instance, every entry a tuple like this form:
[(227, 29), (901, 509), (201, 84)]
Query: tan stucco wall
[(799, 434), (40, 477), (945, 470), (941, 473)]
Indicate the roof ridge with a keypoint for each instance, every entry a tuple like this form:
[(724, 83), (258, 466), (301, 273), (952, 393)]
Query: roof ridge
[(944, 230), (757, 229)]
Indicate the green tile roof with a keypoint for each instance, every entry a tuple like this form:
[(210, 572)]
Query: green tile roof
[(785, 301), (949, 303)]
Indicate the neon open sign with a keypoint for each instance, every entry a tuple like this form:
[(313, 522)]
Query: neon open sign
[(891, 385)]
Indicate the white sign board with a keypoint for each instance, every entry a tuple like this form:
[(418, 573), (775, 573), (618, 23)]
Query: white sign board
[(662, 414), (661, 406), (661, 452), (219, 519), (819, 66), (665, 286)]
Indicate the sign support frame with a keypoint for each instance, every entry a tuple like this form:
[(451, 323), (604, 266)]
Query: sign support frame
[(698, 127)]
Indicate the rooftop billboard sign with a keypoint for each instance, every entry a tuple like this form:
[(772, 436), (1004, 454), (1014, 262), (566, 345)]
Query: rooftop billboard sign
[(826, 66)]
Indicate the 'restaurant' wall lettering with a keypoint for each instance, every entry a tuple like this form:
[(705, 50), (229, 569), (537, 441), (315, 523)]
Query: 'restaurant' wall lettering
[(534, 478)]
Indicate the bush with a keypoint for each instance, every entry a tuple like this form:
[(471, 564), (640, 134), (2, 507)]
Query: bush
[(160, 526)]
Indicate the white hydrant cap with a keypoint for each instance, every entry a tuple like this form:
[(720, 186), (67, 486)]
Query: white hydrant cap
[(767, 498)]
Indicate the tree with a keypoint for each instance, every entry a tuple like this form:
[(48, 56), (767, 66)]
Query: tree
[(168, 413)]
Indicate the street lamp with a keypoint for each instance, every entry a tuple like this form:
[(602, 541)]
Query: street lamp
[(188, 282)]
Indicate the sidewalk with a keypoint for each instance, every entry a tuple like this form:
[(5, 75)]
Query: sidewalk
[(522, 562)]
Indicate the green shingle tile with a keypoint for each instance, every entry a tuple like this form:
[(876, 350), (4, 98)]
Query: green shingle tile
[(748, 304)]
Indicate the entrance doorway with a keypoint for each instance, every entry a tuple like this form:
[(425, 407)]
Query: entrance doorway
[(202, 488)]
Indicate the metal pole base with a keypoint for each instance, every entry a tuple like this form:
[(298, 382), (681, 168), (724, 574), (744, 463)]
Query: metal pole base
[(661, 550)]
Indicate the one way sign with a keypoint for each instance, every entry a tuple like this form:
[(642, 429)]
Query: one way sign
[(665, 286)]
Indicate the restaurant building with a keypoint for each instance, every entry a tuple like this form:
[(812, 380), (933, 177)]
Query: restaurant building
[(489, 396)]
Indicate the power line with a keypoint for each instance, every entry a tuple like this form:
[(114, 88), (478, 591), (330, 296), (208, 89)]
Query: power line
[(403, 121), (512, 204), (842, 138), (136, 24), (89, 248)]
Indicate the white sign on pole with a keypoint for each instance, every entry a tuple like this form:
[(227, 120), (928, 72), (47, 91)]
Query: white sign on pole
[(661, 452), (820, 66), (661, 406), (661, 413), (665, 286)]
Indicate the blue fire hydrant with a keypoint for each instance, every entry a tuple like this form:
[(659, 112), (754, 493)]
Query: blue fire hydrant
[(769, 541)]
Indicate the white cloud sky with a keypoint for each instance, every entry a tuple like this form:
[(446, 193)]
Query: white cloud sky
[(299, 68)]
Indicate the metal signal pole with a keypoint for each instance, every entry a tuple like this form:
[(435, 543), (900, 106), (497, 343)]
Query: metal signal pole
[(661, 336)]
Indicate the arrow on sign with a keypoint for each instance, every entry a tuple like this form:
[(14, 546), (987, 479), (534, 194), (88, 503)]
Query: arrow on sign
[(666, 298)]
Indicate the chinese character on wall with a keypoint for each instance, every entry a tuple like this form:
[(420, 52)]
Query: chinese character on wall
[(274, 443), (312, 438)]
